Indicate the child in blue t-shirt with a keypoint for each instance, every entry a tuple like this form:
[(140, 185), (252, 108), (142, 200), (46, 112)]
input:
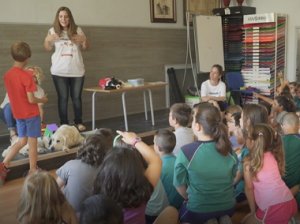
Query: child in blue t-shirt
[(164, 143)]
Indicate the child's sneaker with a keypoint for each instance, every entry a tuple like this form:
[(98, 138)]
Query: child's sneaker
[(225, 220), (3, 173)]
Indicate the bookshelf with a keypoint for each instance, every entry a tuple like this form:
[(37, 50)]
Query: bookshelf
[(264, 49), (232, 29)]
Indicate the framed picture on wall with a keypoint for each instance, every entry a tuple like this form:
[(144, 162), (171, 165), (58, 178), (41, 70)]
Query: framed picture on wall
[(202, 7), (163, 11)]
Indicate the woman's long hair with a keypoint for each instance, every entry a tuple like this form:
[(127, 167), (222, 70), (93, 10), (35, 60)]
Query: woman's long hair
[(121, 177), (209, 118), (72, 28), (253, 114), (41, 200), (265, 140)]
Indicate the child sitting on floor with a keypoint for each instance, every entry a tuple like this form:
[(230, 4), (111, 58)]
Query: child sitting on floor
[(201, 165), (232, 116), (164, 143), (76, 177), (101, 210), (291, 145), (252, 114), (43, 202), (270, 200), (179, 119), (8, 118), (123, 177)]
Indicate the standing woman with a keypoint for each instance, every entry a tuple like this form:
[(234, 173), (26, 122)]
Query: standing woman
[(67, 67)]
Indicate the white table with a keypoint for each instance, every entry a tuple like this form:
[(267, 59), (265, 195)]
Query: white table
[(147, 87)]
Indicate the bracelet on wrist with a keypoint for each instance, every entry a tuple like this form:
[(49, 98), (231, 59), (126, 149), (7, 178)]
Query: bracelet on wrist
[(136, 140)]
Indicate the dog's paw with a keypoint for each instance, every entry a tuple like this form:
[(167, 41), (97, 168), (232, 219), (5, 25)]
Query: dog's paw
[(24, 151), (65, 149)]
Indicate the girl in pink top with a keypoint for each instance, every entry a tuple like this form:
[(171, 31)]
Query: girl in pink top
[(270, 200)]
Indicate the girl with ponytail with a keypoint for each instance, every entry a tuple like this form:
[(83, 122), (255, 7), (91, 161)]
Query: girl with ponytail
[(270, 200), (204, 170)]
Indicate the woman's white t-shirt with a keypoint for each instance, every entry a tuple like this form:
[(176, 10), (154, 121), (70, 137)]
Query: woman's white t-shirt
[(209, 90), (67, 59)]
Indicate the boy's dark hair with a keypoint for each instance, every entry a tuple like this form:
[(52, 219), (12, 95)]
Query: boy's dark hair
[(286, 92), (182, 113), (99, 209), (165, 140), (95, 148), (286, 103), (121, 177), (108, 134), (20, 51)]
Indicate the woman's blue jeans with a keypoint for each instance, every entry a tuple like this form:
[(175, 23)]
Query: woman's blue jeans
[(8, 118), (66, 86)]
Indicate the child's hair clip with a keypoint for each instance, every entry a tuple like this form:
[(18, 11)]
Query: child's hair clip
[(116, 139)]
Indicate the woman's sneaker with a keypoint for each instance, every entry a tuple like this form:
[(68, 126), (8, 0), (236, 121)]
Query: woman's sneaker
[(81, 127), (3, 173)]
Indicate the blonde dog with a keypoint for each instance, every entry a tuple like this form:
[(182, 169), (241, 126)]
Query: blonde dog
[(64, 138)]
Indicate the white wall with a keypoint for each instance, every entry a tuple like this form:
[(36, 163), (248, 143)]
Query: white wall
[(131, 13), (136, 13)]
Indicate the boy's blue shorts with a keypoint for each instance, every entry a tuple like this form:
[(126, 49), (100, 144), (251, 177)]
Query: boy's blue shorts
[(30, 127)]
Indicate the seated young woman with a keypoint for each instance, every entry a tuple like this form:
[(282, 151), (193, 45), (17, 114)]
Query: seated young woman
[(214, 88)]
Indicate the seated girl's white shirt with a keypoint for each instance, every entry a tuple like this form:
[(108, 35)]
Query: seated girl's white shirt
[(209, 90)]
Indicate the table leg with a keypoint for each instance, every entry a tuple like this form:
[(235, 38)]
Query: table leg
[(124, 110), (151, 106), (93, 110), (145, 106)]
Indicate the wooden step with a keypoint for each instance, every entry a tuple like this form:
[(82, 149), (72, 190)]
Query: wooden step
[(53, 160)]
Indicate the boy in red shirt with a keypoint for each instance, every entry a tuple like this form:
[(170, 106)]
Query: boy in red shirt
[(20, 88)]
